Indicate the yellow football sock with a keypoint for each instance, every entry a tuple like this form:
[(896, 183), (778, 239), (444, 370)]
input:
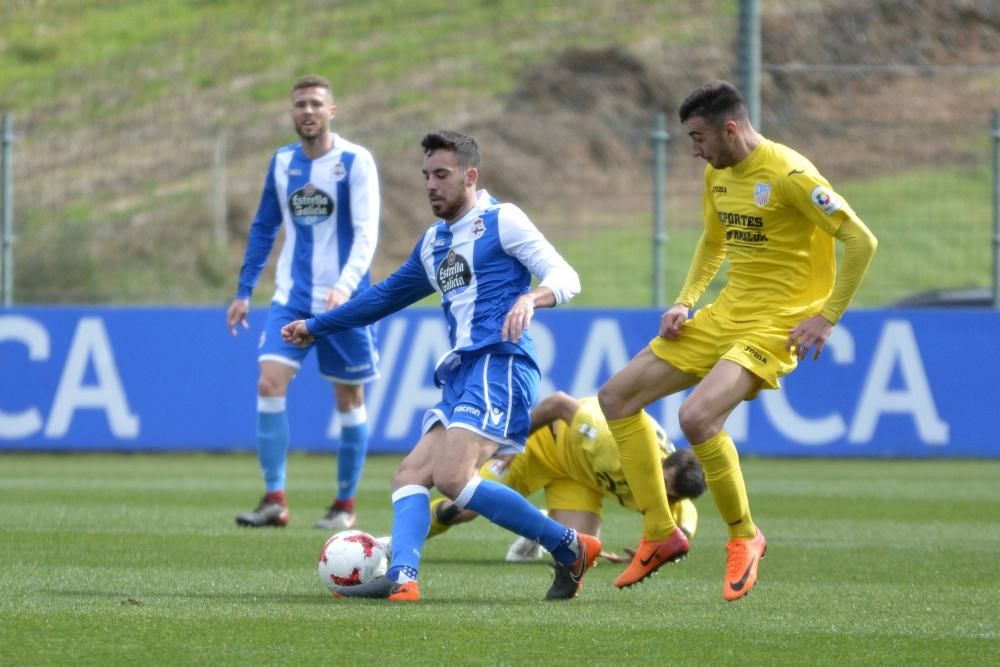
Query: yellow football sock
[(725, 480), (437, 527), (639, 451)]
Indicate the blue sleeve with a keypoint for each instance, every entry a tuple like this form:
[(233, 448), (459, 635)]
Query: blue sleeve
[(263, 231), (407, 284)]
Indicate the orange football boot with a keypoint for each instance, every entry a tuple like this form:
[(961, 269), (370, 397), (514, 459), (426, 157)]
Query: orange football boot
[(408, 592), (651, 555), (742, 558)]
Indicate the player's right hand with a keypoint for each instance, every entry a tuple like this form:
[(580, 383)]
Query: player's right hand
[(237, 314), (672, 321), (518, 318)]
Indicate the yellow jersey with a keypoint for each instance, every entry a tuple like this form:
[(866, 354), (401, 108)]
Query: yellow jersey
[(591, 457), (773, 216)]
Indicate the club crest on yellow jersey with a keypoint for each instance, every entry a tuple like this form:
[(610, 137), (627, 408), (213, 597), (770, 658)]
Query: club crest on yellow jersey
[(762, 194)]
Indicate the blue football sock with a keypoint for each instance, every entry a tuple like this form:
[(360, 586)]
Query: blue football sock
[(352, 451), (411, 520), (509, 509), (272, 440)]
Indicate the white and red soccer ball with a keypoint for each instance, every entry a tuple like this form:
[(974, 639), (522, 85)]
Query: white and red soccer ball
[(349, 558)]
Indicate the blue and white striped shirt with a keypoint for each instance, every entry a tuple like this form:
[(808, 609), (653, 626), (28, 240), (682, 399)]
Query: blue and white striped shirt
[(331, 209), (479, 265)]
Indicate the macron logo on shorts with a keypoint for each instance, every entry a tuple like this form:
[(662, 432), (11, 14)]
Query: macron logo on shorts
[(467, 408)]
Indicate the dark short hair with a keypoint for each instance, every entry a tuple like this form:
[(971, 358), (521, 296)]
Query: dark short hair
[(312, 81), (689, 478), (464, 147), (716, 102)]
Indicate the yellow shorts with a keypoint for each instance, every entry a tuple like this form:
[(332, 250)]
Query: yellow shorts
[(540, 466), (706, 338)]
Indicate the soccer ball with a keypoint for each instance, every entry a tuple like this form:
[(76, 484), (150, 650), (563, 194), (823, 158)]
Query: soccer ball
[(349, 558)]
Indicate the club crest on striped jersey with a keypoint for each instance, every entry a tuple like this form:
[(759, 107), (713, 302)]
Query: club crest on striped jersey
[(454, 274), (339, 171), (478, 228), (309, 205), (762, 194)]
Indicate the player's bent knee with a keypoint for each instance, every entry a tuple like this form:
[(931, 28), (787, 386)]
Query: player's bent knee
[(449, 485), (696, 423), (411, 474), (451, 481), (612, 404), (349, 396), (270, 387), (618, 406)]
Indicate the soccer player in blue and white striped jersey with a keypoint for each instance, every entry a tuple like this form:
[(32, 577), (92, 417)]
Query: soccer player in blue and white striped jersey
[(480, 256), (325, 191)]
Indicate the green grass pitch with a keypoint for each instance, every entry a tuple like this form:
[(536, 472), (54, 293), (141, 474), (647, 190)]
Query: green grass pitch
[(135, 559)]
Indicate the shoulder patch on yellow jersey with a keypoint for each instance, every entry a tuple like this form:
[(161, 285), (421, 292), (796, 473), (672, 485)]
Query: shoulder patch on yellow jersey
[(825, 199)]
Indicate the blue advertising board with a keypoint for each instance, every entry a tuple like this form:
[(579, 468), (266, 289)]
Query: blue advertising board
[(891, 383)]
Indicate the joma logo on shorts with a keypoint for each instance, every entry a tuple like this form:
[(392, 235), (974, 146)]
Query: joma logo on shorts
[(755, 354)]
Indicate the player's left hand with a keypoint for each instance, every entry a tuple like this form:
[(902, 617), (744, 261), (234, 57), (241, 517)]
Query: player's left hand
[(297, 333), (811, 333), (334, 298), (518, 318)]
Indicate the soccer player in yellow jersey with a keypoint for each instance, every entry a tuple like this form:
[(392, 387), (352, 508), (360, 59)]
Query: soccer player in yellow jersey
[(769, 212), (572, 455)]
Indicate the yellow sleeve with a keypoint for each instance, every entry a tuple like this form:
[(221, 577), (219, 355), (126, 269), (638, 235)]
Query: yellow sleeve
[(707, 259), (708, 255), (859, 248), (812, 195)]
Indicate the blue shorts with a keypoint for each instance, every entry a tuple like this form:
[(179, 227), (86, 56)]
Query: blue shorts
[(491, 395), (348, 357)]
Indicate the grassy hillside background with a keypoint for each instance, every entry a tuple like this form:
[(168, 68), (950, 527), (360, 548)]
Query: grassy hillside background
[(143, 130)]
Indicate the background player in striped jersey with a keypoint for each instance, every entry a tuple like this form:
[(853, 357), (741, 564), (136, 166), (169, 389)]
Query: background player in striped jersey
[(572, 455), (769, 211), (480, 256), (325, 191)]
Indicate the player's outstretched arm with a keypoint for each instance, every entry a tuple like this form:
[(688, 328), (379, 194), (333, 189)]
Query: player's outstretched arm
[(559, 405)]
